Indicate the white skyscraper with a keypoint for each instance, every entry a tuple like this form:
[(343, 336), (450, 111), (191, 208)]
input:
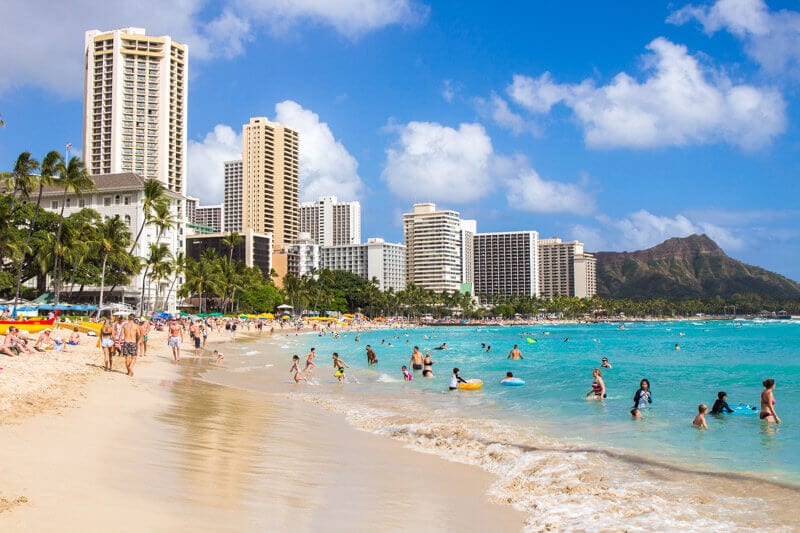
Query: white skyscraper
[(135, 106), (330, 222), (434, 248), (378, 259), (506, 265), (232, 204)]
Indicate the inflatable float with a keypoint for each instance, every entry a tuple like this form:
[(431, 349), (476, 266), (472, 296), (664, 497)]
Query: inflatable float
[(513, 382), (471, 384), (743, 409)]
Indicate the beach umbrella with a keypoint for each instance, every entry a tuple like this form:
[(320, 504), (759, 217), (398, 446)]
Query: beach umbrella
[(284, 306)]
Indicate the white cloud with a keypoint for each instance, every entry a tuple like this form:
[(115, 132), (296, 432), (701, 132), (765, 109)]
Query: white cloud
[(496, 109), (643, 229), (771, 38), (326, 167), (529, 192), (53, 60), (206, 163), (432, 162), (679, 103), (448, 91)]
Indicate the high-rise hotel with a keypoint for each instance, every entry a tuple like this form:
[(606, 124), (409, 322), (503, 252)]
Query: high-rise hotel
[(135, 106), (270, 181), (506, 265), (331, 222), (565, 269)]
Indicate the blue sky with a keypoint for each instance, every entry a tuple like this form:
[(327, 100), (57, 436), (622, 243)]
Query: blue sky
[(619, 124)]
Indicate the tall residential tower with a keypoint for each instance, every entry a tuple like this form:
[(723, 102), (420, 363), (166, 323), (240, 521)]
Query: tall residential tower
[(330, 222), (135, 106)]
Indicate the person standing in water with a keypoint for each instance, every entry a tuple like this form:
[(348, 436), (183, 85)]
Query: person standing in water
[(768, 402), (416, 359), (721, 404), (455, 379), (700, 420), (296, 369), (514, 354), (643, 396), (372, 357), (339, 365), (598, 391), (310, 361), (427, 366)]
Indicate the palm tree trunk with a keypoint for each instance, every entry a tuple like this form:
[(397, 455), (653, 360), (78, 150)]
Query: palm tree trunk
[(56, 262), (102, 283), (28, 240), (169, 292)]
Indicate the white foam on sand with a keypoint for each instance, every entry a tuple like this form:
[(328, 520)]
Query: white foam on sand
[(386, 378)]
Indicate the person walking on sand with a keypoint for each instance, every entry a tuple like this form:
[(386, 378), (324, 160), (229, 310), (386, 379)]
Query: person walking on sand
[(416, 359), (515, 354), (339, 365), (107, 344), (145, 327), (310, 361), (296, 369), (130, 346), (768, 413), (174, 339)]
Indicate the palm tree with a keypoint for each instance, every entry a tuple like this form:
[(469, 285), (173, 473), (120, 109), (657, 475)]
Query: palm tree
[(74, 177), (161, 269), (158, 253), (177, 267), (114, 237), (154, 193), (49, 169), (201, 277), (162, 219), (23, 177), (231, 240)]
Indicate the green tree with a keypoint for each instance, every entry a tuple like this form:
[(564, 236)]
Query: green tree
[(178, 268), (114, 236)]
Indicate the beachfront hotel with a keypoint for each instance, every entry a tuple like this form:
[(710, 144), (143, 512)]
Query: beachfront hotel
[(306, 254), (436, 242), (506, 265), (255, 249), (376, 259), (565, 269), (121, 194), (134, 117), (330, 222), (232, 201)]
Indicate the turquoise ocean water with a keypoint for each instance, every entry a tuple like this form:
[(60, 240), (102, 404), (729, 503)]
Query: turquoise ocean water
[(734, 356)]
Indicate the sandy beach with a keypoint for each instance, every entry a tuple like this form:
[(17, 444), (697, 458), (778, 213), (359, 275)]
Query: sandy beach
[(90, 450)]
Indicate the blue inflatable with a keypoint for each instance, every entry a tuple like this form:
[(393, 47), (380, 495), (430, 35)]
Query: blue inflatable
[(743, 409), (513, 382)]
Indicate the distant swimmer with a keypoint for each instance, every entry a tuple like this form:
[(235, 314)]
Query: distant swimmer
[(768, 402), (643, 396), (515, 354), (296, 369), (566, 339), (509, 377), (488, 348), (721, 406), (598, 391), (677, 346), (455, 379), (636, 413), (443, 346), (427, 366), (416, 359), (604, 363), (700, 420)]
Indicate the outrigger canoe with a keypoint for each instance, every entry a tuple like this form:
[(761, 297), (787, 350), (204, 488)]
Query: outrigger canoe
[(34, 325)]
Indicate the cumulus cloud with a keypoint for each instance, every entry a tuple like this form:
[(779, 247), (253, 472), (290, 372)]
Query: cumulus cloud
[(679, 103), (326, 167), (497, 110), (206, 163), (448, 91), (435, 162), (53, 60), (771, 38), (529, 192)]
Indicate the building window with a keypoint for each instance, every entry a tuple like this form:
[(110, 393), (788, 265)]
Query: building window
[(67, 202), (126, 200), (81, 202), (128, 220), (117, 199), (54, 204), (106, 201)]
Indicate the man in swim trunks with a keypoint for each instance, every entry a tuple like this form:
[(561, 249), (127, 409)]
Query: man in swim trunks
[(372, 357), (515, 354), (416, 359), (131, 335), (174, 339)]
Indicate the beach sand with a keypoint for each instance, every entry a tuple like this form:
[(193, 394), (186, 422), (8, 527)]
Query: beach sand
[(90, 450)]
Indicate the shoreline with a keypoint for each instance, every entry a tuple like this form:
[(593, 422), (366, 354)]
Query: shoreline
[(345, 478)]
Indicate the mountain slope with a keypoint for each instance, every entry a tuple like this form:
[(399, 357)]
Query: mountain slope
[(689, 267)]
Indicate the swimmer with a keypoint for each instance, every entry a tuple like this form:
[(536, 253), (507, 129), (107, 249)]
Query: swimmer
[(509, 376), (721, 404), (768, 413), (604, 363), (372, 357), (339, 365), (700, 420), (643, 396), (416, 359), (488, 348), (514, 354), (408, 376), (443, 346), (455, 379), (598, 391), (677, 346), (296, 369), (636, 413)]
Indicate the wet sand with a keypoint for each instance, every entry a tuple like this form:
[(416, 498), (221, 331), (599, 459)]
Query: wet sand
[(166, 451)]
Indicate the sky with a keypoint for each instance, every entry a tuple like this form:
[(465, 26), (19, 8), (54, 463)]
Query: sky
[(619, 124)]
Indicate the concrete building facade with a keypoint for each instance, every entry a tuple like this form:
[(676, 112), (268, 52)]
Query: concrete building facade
[(270, 180), (209, 216), (330, 222), (565, 269), (255, 249), (232, 203), (135, 106), (308, 255), (434, 247), (376, 259), (506, 264)]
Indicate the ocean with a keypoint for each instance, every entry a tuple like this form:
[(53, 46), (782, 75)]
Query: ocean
[(568, 461)]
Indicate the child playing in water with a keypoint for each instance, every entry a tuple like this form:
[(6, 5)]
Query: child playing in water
[(296, 369), (218, 355), (700, 420), (339, 365), (406, 374)]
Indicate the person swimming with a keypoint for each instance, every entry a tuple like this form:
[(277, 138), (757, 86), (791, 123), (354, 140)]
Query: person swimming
[(721, 404), (455, 379)]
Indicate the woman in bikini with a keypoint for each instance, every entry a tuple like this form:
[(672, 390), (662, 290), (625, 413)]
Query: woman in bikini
[(768, 402), (598, 391)]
